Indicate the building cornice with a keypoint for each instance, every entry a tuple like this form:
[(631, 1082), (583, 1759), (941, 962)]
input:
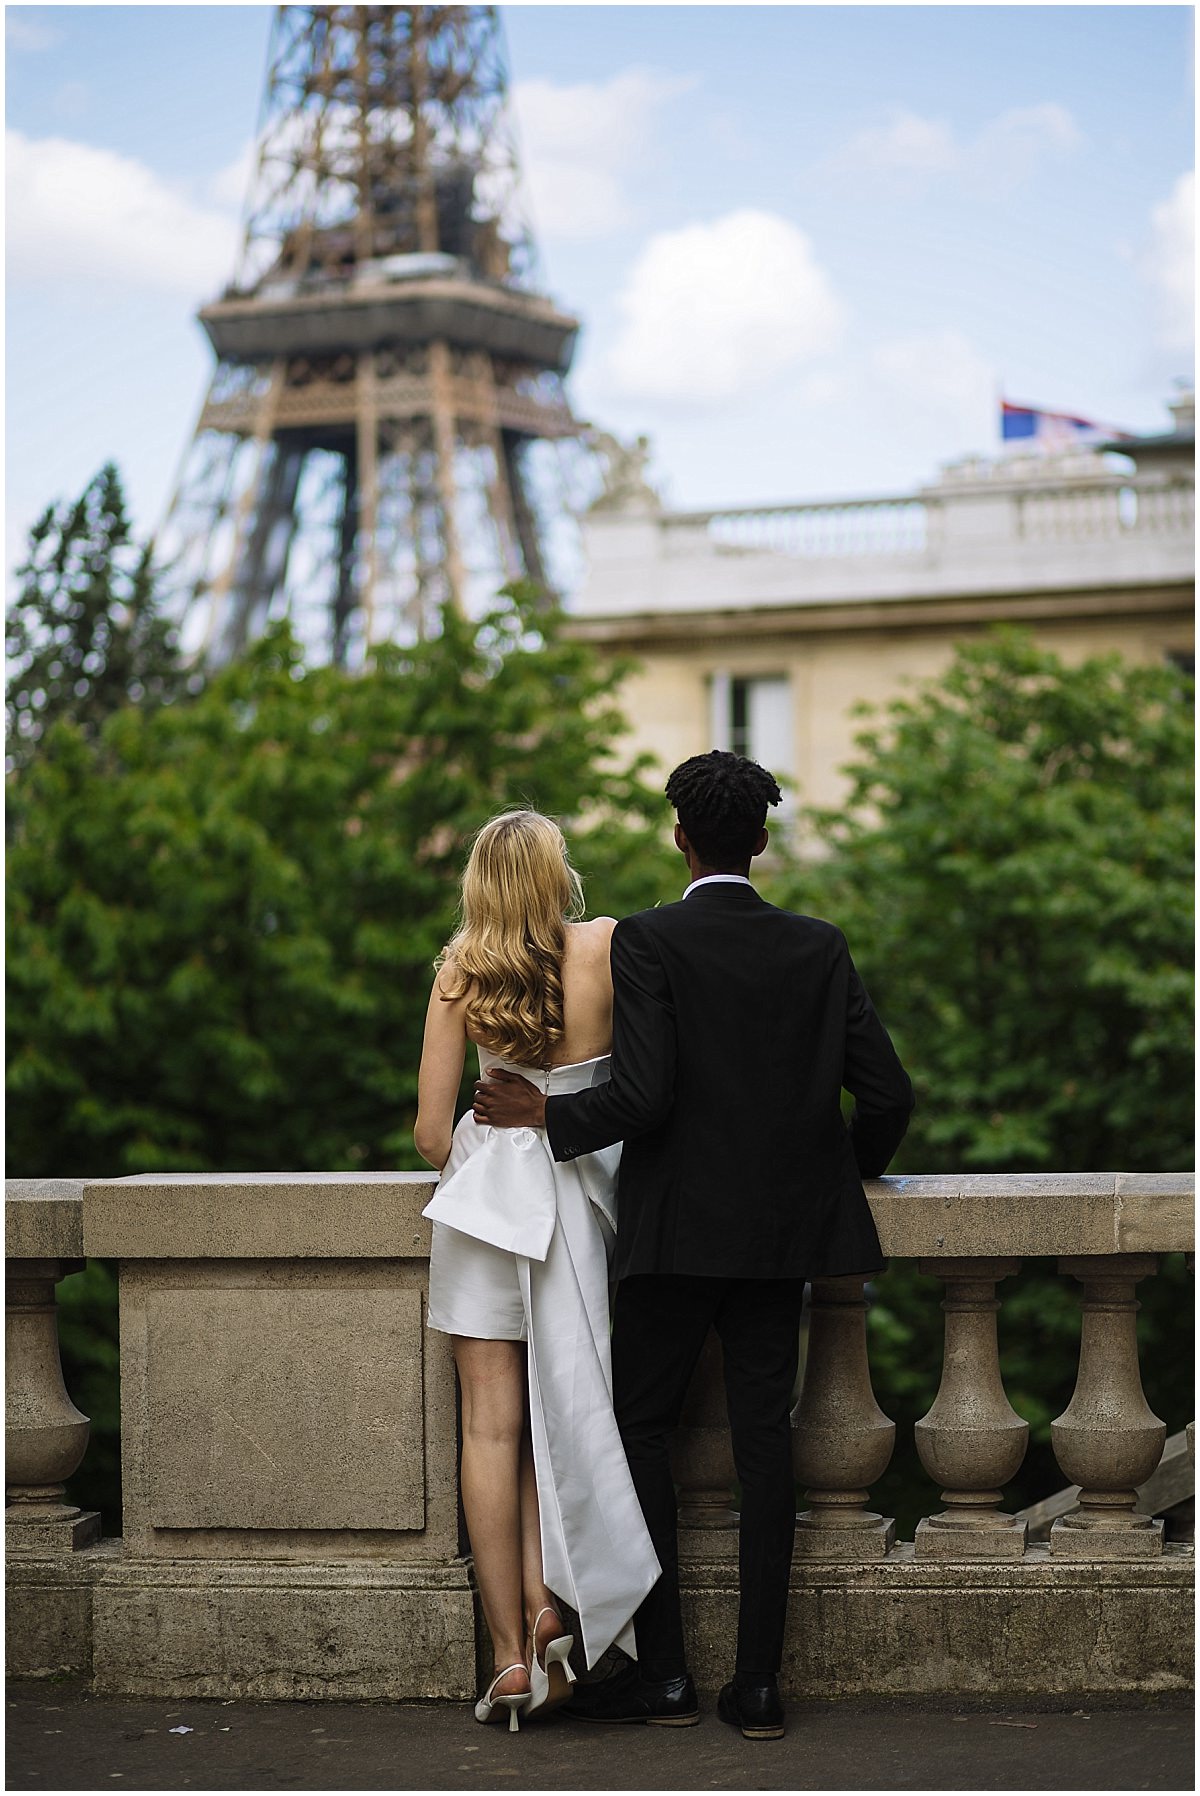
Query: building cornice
[(1159, 601)]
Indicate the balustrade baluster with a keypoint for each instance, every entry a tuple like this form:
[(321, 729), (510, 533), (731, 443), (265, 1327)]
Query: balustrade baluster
[(841, 1440), (45, 1435), (1108, 1440), (972, 1441)]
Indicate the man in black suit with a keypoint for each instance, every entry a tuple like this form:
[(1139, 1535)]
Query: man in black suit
[(736, 1027)]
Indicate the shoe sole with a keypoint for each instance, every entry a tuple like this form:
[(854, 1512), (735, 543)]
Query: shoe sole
[(639, 1720), (762, 1733)]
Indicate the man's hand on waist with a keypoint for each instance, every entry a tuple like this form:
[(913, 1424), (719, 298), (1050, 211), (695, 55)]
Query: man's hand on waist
[(507, 1101)]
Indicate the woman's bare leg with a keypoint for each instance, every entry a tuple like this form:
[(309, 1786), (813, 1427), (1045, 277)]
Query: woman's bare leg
[(492, 1377), (537, 1594)]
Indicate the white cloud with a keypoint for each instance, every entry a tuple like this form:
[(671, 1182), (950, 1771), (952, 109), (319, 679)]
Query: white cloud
[(1004, 151), (582, 143), (906, 144), (1169, 266), (78, 211), (230, 185), (26, 29), (713, 311)]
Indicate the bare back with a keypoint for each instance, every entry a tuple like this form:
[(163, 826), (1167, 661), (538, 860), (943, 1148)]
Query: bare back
[(587, 992)]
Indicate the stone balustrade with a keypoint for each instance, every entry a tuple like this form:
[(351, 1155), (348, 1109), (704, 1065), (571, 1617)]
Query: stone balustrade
[(289, 1451), (983, 530)]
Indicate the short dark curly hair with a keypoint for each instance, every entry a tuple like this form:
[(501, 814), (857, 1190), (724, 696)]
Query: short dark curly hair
[(721, 800)]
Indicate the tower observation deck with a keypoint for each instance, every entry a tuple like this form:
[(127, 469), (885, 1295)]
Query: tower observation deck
[(378, 441)]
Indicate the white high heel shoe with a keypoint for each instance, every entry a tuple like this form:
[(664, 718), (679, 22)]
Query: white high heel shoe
[(551, 1676), (516, 1704)]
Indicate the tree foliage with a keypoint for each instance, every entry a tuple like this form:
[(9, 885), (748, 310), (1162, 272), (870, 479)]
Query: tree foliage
[(223, 915), (85, 636), (1013, 871)]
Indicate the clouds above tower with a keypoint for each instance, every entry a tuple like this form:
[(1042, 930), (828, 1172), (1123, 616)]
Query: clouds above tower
[(714, 311), (76, 210), (910, 150), (581, 145)]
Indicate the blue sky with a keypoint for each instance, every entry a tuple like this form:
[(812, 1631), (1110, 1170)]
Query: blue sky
[(808, 244)]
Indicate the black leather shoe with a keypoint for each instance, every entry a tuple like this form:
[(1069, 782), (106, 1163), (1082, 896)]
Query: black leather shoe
[(755, 1708), (630, 1698)]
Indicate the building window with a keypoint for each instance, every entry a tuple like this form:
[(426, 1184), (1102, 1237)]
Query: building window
[(752, 715)]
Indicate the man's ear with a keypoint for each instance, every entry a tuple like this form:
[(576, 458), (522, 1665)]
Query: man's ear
[(681, 841), (763, 839)]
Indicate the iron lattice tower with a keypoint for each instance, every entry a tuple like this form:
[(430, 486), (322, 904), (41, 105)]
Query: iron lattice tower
[(378, 439)]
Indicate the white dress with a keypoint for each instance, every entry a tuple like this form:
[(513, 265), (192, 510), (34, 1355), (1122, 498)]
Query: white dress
[(521, 1245)]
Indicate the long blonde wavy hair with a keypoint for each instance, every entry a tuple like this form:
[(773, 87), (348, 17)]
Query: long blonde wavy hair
[(519, 890)]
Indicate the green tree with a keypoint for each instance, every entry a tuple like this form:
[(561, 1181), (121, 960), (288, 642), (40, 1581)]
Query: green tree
[(85, 636), (222, 916), (1013, 871)]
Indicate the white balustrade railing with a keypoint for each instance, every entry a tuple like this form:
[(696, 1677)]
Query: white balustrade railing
[(1093, 509)]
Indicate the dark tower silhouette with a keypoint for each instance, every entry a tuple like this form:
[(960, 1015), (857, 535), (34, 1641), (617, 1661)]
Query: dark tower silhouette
[(377, 441)]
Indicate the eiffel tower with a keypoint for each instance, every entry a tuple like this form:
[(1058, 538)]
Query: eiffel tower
[(381, 436)]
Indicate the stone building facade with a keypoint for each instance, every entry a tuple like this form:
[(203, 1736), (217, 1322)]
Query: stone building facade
[(761, 628)]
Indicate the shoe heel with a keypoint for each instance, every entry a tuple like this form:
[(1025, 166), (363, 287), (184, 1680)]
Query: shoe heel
[(514, 1705), (559, 1653)]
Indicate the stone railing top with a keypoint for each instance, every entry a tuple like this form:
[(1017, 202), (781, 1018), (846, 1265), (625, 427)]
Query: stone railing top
[(43, 1219), (935, 1216), (377, 1215), (259, 1215)]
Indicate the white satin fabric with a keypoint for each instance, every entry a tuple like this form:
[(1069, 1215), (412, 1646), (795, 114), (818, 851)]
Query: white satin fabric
[(502, 1187)]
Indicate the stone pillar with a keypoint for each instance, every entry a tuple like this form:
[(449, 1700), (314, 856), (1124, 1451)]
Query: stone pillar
[(841, 1439), (702, 1460), (45, 1435), (1108, 1440), (972, 1441)]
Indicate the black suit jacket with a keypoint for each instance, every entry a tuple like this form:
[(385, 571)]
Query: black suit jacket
[(735, 1028)]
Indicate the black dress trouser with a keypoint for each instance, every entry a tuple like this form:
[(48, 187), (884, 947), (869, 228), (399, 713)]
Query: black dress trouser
[(659, 1326)]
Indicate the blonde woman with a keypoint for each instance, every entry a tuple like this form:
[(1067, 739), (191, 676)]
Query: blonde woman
[(519, 1271)]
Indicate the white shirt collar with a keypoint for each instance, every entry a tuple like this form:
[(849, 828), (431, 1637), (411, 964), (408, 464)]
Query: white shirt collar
[(712, 879)]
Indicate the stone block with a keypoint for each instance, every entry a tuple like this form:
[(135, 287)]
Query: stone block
[(332, 1376), (1075, 1537), (48, 1611), (936, 1539), (273, 1408), (30, 1535), (267, 1215), (285, 1632), (1156, 1213), (900, 1628), (844, 1546), (43, 1219)]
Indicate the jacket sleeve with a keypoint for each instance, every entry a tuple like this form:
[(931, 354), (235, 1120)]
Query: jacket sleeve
[(641, 1089), (882, 1089)]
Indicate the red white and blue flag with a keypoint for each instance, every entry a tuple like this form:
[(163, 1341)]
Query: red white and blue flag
[(1026, 423)]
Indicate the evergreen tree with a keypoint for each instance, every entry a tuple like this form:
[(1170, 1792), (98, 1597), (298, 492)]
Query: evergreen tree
[(85, 636)]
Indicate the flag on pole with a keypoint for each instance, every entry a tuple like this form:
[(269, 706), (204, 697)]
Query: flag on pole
[(1026, 423)]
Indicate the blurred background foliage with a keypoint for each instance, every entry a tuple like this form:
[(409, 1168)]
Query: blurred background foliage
[(225, 897)]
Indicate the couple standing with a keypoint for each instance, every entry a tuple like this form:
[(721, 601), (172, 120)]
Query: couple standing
[(712, 1037)]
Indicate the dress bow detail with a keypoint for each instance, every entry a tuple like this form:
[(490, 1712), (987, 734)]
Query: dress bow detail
[(501, 1191)]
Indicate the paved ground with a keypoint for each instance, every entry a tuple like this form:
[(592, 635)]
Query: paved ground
[(59, 1738)]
